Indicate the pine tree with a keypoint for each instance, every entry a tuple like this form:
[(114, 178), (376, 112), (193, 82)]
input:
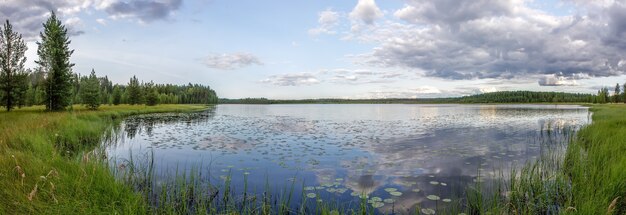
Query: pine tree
[(152, 96), (13, 77), (624, 94), (135, 96), (54, 59), (90, 91), (616, 93), (117, 95)]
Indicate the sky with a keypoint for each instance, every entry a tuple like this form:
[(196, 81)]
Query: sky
[(286, 49)]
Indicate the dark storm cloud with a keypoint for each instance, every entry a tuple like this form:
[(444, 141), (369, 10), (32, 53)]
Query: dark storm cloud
[(27, 16), (143, 10), (502, 40)]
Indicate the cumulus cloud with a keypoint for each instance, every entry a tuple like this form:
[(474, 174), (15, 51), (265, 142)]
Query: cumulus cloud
[(143, 10), (554, 80), (27, 16), (366, 11), (298, 79), (453, 11), (490, 39), (231, 61), (328, 20)]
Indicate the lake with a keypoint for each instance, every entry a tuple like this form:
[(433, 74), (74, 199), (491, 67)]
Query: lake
[(398, 156)]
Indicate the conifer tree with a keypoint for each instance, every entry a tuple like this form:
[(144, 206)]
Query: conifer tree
[(117, 95), (135, 96), (54, 59), (152, 96), (617, 93), (90, 91), (624, 94), (13, 77)]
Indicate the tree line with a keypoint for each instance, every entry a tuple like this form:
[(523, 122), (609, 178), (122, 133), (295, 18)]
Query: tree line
[(604, 95), (53, 83)]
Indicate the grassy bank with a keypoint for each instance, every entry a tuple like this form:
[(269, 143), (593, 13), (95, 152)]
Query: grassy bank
[(43, 168), (596, 163)]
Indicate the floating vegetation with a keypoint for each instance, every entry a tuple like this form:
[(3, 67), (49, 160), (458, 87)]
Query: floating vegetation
[(432, 197), (434, 182), (311, 195), (390, 189), (377, 204), (396, 193), (427, 211), (416, 190), (389, 201), (446, 200)]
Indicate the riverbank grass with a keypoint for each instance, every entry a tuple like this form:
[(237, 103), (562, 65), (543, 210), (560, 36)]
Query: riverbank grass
[(45, 167)]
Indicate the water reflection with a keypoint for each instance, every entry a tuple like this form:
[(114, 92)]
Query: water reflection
[(399, 156)]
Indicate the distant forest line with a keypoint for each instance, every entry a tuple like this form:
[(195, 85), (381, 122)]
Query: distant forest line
[(494, 97)]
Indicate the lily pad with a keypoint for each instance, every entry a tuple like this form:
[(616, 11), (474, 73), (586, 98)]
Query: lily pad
[(446, 200), (396, 193), (428, 211), (391, 189), (377, 204), (311, 195), (433, 197)]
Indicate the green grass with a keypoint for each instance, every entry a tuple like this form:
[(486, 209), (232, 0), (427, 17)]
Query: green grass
[(44, 167), (588, 177), (596, 163)]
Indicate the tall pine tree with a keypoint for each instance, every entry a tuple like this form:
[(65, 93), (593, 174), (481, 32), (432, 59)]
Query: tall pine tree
[(117, 95), (152, 96), (13, 77), (90, 91), (135, 96), (54, 59)]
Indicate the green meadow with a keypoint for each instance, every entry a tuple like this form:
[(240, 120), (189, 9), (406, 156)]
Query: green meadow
[(47, 166)]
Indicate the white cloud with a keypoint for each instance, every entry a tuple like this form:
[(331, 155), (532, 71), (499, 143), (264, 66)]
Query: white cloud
[(101, 21), (27, 16), (328, 20), (298, 79), (554, 80), (231, 61), (489, 39), (366, 11)]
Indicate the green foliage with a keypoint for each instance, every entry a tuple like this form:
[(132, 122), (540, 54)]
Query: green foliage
[(135, 95), (90, 91), (117, 95), (527, 97), (54, 152), (13, 83), (54, 59), (152, 96)]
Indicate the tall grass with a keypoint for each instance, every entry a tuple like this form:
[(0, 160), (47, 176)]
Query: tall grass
[(44, 167), (581, 174)]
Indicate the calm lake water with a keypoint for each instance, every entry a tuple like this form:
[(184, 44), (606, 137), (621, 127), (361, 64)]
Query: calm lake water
[(396, 154)]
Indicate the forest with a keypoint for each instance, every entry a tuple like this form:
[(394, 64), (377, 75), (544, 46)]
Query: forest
[(54, 84), (603, 96)]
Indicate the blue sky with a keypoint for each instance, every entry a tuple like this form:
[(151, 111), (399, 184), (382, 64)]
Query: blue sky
[(342, 49)]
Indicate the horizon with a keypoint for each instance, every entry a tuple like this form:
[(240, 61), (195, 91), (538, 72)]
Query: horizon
[(361, 49)]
